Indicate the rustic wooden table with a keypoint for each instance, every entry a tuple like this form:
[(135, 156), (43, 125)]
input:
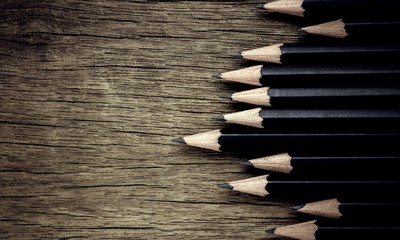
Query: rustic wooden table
[(91, 93)]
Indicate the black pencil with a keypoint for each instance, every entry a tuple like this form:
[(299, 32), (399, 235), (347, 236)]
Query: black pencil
[(293, 53), (292, 189), (312, 230), (340, 119), (359, 30), (256, 141), (317, 9), (335, 208), (383, 167), (315, 76), (319, 97)]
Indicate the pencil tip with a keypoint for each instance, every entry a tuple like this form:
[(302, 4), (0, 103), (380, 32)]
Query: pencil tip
[(304, 30), (219, 118), (218, 76), (225, 185), (298, 207), (178, 140), (226, 96), (237, 55), (270, 231), (246, 163), (260, 6)]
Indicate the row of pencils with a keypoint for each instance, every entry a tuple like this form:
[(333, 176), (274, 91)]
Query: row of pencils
[(323, 120)]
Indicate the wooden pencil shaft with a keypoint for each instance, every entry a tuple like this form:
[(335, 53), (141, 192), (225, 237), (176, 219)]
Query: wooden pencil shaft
[(310, 143), (333, 92), (339, 48), (358, 211), (320, 71), (356, 4), (301, 161), (330, 76), (362, 29), (334, 97), (344, 102), (325, 9), (315, 120), (325, 189), (338, 53), (362, 114), (334, 233), (320, 230), (345, 167)]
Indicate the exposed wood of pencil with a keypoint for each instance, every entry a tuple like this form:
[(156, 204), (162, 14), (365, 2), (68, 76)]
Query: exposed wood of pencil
[(312, 230), (301, 231), (250, 75), (250, 118), (343, 28), (293, 53), (207, 140), (276, 163), (335, 29), (261, 118), (291, 7), (312, 165), (311, 97), (257, 96), (250, 141), (326, 208), (363, 211), (270, 54), (254, 186), (260, 75)]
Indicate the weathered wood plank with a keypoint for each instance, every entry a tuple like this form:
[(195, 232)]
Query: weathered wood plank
[(91, 94)]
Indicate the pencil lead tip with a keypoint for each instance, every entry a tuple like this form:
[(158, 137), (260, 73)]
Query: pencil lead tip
[(178, 140), (225, 185), (226, 96), (218, 76), (303, 30), (219, 118), (237, 55), (298, 207), (246, 163), (260, 6), (270, 231)]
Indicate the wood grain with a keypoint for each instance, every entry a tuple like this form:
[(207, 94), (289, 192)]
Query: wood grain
[(90, 95)]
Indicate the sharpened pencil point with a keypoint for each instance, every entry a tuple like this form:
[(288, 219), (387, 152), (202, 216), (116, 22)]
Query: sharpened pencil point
[(225, 185), (298, 207), (270, 231), (237, 55), (218, 76), (247, 164), (219, 118), (260, 6), (226, 96), (178, 140)]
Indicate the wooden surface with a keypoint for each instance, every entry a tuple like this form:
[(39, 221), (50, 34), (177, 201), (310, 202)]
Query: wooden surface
[(91, 93)]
